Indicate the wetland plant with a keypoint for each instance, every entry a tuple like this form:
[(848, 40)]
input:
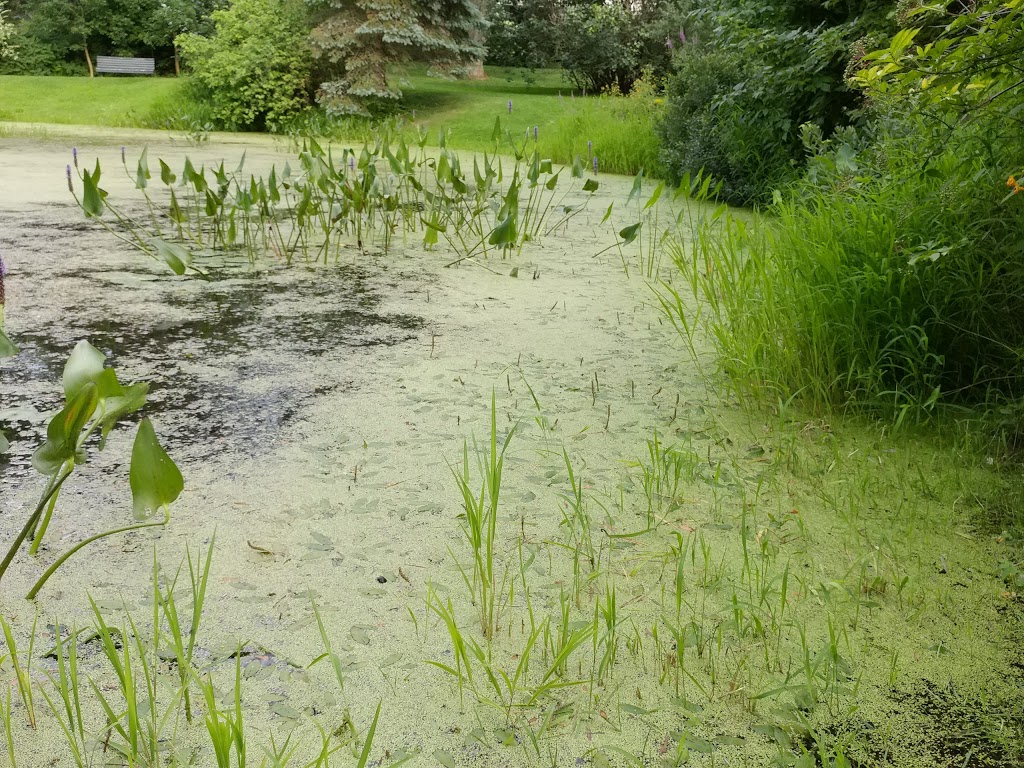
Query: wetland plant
[(95, 402), (480, 524), (359, 198)]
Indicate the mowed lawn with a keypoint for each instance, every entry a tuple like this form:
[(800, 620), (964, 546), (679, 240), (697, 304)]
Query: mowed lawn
[(466, 107), (118, 102)]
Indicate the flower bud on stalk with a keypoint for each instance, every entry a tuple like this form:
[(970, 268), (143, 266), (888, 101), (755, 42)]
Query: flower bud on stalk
[(67, 173)]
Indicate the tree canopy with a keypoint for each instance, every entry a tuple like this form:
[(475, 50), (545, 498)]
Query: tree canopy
[(358, 41)]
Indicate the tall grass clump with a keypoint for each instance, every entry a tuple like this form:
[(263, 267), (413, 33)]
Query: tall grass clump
[(889, 292), (619, 130), (891, 277)]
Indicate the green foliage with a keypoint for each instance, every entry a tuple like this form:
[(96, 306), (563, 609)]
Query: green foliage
[(523, 33), (357, 42), (8, 51), (891, 278), (748, 77), (95, 401), (618, 130), (599, 47), (254, 71)]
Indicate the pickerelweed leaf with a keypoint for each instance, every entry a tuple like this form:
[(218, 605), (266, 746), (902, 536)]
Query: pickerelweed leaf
[(92, 199), (638, 182), (7, 347), (629, 234), (84, 365), (142, 176), (505, 233), (654, 198), (64, 429), (116, 408), (154, 477), (591, 185), (607, 213), (167, 176), (176, 256), (4, 444)]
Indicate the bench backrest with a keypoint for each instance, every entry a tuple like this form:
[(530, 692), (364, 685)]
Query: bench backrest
[(119, 65)]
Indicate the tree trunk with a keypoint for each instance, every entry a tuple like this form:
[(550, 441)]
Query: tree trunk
[(88, 60), (475, 71), (177, 63)]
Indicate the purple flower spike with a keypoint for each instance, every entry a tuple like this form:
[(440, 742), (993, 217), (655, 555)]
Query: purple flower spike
[(590, 149), (67, 173), (668, 43), (536, 131), (682, 36), (351, 162), (3, 271), (122, 155), (595, 165), (510, 106), (74, 155)]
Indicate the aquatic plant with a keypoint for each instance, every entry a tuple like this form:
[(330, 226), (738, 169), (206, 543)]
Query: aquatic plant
[(327, 204), (96, 401)]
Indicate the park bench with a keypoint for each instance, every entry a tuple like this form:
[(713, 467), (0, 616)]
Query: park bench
[(122, 65)]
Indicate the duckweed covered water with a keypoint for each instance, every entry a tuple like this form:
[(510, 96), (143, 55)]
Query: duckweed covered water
[(837, 597)]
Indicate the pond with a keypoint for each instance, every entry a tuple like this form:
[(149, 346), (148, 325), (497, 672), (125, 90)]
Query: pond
[(319, 416)]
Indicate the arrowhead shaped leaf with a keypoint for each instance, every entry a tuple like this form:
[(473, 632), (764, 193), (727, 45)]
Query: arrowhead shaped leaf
[(590, 185), (92, 199), (7, 347), (154, 477), (167, 176), (629, 234), (142, 176), (4, 444), (116, 408), (654, 198), (176, 256), (84, 365), (637, 185), (505, 233), (64, 429)]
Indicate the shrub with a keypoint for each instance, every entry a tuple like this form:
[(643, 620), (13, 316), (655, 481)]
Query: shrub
[(523, 33), (746, 79), (599, 46), (254, 71), (890, 279)]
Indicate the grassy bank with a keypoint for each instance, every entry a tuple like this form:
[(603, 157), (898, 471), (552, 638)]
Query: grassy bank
[(620, 130)]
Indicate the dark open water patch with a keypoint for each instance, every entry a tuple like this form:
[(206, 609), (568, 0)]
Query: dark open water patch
[(229, 362)]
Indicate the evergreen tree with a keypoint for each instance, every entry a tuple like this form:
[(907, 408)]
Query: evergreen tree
[(358, 41)]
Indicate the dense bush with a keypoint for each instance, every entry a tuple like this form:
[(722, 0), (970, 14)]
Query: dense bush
[(747, 77), (254, 71), (892, 277), (523, 33), (602, 46)]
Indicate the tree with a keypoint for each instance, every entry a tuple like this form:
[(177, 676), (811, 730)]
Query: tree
[(358, 41), (523, 33), (7, 50)]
